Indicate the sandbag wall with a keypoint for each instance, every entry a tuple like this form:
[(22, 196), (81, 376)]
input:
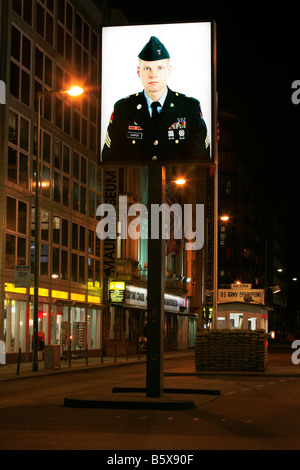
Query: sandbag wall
[(231, 350)]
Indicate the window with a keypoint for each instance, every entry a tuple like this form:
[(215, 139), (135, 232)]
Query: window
[(80, 128), (44, 222), (60, 256), (61, 173), (16, 232), (44, 80), (20, 66), (78, 253), (62, 102), (236, 320), (64, 33), (95, 184), (45, 21), (82, 46), (79, 183), (94, 261), (18, 158), (45, 164), (24, 9)]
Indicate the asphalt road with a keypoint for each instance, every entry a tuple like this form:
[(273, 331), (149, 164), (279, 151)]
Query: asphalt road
[(252, 413)]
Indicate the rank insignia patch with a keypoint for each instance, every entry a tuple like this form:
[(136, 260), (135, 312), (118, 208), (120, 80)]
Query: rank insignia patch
[(107, 140)]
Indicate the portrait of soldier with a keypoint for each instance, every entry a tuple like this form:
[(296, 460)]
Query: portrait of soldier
[(156, 124)]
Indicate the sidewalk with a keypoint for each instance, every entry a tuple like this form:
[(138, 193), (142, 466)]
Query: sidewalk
[(279, 364)]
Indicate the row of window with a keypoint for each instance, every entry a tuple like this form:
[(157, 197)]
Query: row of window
[(70, 25), (75, 180), (61, 242), (77, 117)]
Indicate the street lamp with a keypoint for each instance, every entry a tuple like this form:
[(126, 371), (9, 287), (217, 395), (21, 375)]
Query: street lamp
[(73, 91), (180, 181)]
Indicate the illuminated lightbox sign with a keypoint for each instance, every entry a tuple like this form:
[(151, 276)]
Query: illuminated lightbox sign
[(116, 292), (186, 131), (174, 303), (137, 296)]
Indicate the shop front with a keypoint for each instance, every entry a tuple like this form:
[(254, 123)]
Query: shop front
[(127, 322), (74, 321)]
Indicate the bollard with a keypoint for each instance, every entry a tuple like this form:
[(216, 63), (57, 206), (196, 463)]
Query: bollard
[(87, 355), (70, 352), (19, 359)]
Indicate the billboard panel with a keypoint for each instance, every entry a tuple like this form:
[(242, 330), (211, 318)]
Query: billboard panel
[(170, 63)]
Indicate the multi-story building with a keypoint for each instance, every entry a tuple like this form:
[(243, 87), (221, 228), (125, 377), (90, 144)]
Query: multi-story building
[(251, 241), (242, 236), (48, 45)]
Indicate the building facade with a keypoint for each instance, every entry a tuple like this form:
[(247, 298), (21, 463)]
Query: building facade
[(125, 266), (251, 240), (50, 45)]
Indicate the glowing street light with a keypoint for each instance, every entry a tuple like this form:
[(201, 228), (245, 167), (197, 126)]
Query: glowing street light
[(74, 91), (180, 181)]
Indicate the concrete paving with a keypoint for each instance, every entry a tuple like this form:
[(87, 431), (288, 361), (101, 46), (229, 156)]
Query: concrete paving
[(279, 364)]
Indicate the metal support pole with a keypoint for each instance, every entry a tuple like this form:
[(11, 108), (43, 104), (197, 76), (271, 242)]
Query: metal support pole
[(19, 360), (156, 275), (36, 243), (216, 233)]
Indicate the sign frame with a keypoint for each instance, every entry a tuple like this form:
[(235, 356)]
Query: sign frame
[(212, 127)]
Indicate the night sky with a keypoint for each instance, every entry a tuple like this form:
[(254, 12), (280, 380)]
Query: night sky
[(258, 60)]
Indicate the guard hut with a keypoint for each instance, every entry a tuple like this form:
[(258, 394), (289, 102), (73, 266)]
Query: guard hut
[(242, 307), (239, 341)]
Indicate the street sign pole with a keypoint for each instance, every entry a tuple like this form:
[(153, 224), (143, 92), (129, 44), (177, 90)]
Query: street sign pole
[(156, 275)]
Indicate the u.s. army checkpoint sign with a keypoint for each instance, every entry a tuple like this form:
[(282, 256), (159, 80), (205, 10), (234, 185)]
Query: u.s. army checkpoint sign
[(255, 296)]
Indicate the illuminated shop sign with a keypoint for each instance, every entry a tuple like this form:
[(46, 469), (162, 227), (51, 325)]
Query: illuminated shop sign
[(116, 291), (137, 296)]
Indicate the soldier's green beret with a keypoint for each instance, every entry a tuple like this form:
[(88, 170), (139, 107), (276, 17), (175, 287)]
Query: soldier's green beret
[(154, 50)]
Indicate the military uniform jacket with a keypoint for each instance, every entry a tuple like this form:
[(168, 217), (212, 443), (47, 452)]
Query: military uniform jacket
[(180, 135)]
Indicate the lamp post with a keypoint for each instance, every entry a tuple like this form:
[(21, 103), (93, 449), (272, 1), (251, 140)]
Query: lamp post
[(74, 91)]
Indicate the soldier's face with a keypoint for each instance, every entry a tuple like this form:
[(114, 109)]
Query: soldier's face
[(154, 75)]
